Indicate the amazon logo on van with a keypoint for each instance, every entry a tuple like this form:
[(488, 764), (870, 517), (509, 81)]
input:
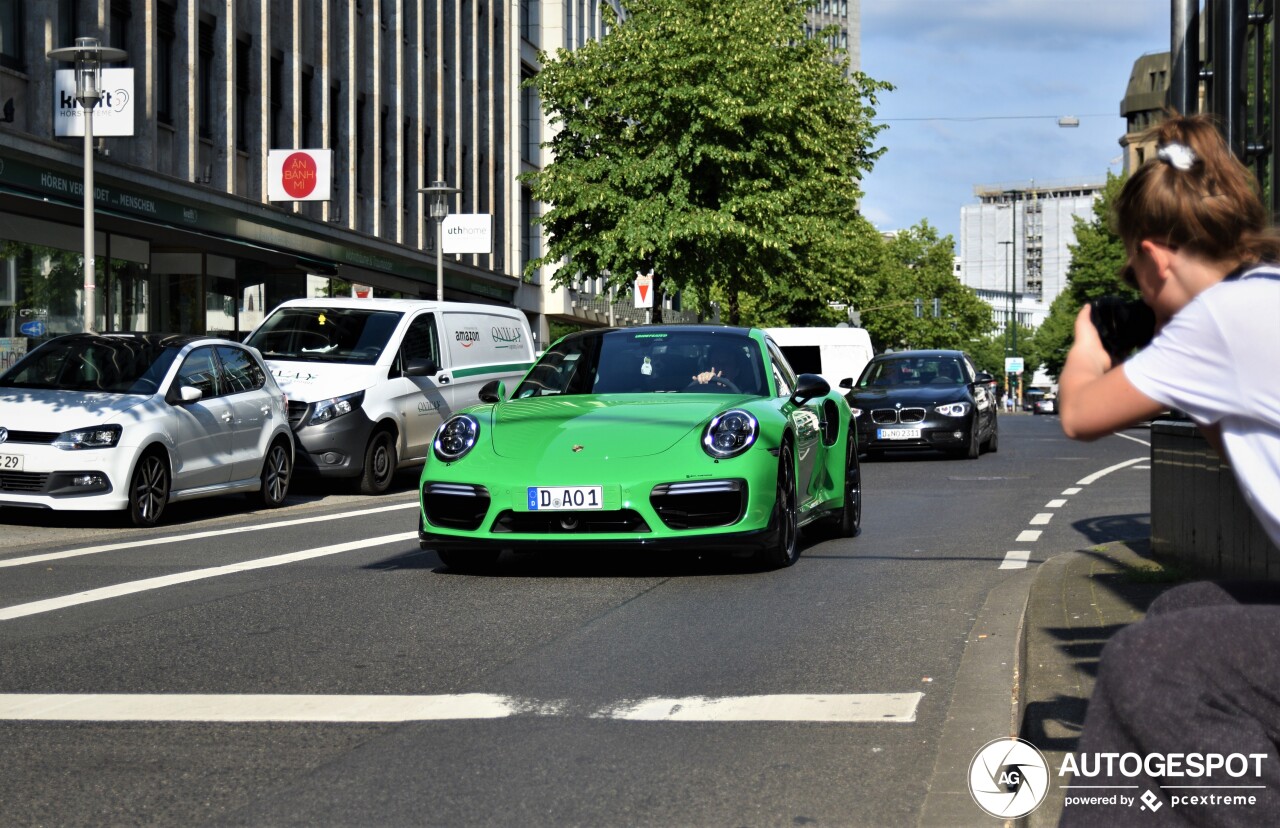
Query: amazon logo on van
[(501, 334), (467, 338)]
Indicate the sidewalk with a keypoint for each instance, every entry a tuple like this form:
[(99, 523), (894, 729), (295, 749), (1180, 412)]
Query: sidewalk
[(1077, 601)]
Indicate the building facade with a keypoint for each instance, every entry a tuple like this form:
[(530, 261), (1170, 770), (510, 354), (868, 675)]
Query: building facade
[(1014, 244), (402, 93)]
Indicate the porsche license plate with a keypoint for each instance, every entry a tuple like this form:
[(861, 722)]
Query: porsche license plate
[(559, 498), (899, 434), (10, 462)]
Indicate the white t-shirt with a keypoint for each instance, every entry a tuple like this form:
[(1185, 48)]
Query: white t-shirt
[(1218, 360)]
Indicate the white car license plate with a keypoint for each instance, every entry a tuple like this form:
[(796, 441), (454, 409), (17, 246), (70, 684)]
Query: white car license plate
[(559, 498), (10, 462), (899, 434)]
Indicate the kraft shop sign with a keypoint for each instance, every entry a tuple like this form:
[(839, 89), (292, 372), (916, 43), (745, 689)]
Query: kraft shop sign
[(466, 233), (113, 114)]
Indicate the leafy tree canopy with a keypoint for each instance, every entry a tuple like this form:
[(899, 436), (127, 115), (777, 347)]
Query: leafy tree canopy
[(918, 264), (715, 145)]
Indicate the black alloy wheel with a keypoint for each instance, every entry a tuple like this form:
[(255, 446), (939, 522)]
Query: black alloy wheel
[(851, 514), (785, 549), (148, 489), (277, 472)]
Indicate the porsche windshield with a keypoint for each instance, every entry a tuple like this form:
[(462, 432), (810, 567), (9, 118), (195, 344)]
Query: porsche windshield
[(309, 334), (640, 361)]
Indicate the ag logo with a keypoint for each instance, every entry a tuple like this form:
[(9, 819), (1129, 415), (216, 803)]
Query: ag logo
[(1008, 778)]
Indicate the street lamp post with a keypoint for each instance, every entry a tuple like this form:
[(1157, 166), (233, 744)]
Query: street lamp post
[(1013, 291), (438, 204), (88, 55)]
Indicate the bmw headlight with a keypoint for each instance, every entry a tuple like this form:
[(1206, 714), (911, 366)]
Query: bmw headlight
[(956, 409), (730, 433), (332, 409), (456, 437), (97, 437)]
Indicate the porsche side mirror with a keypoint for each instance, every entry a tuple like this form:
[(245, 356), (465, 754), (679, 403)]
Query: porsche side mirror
[(809, 386), (493, 391), (847, 382)]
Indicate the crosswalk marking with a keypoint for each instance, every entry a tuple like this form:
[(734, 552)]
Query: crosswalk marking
[(149, 707)]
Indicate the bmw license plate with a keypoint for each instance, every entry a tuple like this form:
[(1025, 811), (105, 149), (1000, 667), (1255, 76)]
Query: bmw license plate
[(10, 462), (898, 434), (559, 498)]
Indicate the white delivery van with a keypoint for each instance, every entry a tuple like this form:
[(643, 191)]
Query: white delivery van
[(370, 380), (835, 353)]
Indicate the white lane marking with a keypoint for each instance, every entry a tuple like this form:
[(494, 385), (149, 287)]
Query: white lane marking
[(853, 707), (212, 533), (1056, 503), (1041, 519), (1098, 475), (1015, 559), (131, 587), (1029, 536), (152, 707), (1143, 468), (1071, 491), (146, 707), (1134, 439)]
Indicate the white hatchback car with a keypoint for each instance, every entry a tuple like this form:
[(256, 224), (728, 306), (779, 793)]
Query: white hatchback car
[(135, 421)]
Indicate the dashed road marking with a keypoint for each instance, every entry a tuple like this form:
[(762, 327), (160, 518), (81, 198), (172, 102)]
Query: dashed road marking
[(1041, 519), (1073, 490), (1029, 535), (1015, 559), (1056, 503)]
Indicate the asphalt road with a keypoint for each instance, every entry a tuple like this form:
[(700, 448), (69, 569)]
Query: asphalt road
[(247, 668)]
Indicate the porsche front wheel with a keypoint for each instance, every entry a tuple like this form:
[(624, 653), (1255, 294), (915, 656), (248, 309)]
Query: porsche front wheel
[(785, 546)]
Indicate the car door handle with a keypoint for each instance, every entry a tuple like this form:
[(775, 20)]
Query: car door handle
[(444, 379), (226, 417)]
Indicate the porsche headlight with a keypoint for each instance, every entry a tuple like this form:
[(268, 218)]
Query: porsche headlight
[(332, 409), (456, 437), (89, 438), (856, 412), (730, 434), (956, 409)]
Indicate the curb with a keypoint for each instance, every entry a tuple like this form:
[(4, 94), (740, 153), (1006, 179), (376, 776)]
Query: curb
[(986, 704)]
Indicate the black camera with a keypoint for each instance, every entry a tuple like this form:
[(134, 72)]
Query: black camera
[(1123, 325)]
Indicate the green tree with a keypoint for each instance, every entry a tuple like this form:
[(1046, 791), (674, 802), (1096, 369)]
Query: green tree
[(918, 264), (715, 145), (1096, 259)]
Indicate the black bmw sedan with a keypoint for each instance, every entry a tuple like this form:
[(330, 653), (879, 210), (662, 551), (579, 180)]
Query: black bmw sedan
[(923, 400)]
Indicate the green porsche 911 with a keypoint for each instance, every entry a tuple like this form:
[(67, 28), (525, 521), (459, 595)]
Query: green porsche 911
[(696, 437)]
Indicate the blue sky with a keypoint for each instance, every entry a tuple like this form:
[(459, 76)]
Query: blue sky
[(1000, 61)]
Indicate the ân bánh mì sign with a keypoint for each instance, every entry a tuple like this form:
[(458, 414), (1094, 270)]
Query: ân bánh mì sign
[(299, 175)]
